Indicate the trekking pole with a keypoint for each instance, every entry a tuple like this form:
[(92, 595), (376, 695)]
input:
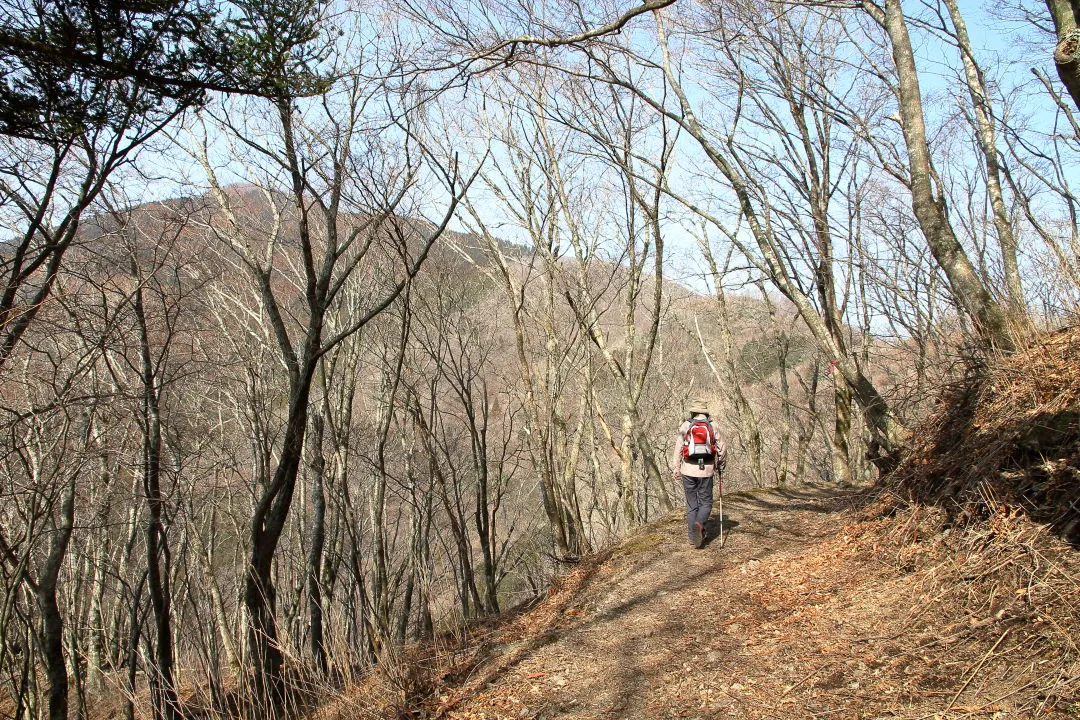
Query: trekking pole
[(720, 495)]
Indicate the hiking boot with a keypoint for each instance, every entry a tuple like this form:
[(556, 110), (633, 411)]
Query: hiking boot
[(699, 535)]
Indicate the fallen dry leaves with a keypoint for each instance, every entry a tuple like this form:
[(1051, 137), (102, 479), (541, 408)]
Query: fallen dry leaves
[(813, 609)]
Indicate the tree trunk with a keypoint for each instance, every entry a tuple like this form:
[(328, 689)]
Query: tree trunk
[(95, 661), (838, 440), (318, 541), (787, 410), (990, 319), (52, 652), (52, 623), (158, 558), (467, 592), (1066, 14), (23, 694), (483, 515), (415, 558), (135, 622), (268, 522), (95, 680), (217, 604), (806, 431), (986, 134)]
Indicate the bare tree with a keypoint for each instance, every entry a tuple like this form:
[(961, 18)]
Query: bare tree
[(640, 153), (47, 187), (751, 438), (992, 322), (469, 446), (339, 212), (87, 85), (986, 134), (545, 358), (45, 465)]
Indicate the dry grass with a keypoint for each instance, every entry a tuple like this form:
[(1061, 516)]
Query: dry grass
[(1006, 437)]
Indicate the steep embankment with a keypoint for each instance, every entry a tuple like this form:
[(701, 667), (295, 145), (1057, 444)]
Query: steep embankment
[(1006, 436), (818, 605)]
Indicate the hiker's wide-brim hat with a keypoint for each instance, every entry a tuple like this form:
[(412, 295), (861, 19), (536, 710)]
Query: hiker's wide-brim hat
[(699, 407)]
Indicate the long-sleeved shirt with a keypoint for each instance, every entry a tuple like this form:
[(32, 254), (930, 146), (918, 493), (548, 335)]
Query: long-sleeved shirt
[(691, 469)]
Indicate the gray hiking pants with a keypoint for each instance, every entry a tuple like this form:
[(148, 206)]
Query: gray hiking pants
[(698, 501)]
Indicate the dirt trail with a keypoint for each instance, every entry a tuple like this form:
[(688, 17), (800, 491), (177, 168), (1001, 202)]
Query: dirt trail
[(792, 618), (664, 635)]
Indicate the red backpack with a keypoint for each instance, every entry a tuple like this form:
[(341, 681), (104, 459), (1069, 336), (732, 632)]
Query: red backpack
[(699, 443)]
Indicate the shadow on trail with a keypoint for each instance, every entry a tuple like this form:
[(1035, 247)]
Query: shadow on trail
[(754, 516), (630, 675), (818, 499), (632, 678), (715, 524)]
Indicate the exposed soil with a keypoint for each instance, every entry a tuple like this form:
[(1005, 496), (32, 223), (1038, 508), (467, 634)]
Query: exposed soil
[(822, 603), (661, 629)]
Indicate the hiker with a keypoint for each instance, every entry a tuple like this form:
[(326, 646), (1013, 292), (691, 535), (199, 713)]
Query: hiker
[(699, 456)]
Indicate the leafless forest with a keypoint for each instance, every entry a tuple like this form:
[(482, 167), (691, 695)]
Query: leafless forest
[(372, 334)]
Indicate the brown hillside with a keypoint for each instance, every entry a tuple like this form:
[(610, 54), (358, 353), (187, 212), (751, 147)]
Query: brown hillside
[(1006, 437)]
